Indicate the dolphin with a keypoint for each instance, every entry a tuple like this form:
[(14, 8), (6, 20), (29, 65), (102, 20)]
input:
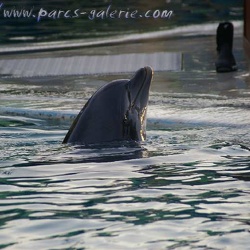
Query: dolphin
[(115, 112)]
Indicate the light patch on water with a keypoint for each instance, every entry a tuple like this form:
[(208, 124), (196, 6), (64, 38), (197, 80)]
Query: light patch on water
[(185, 187)]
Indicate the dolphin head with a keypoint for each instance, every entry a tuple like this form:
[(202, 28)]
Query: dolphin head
[(115, 112)]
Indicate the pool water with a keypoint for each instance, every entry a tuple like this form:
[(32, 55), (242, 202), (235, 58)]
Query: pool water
[(186, 187)]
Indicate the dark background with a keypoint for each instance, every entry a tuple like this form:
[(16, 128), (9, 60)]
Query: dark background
[(186, 12)]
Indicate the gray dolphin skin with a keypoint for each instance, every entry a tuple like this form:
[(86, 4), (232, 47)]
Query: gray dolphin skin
[(116, 112)]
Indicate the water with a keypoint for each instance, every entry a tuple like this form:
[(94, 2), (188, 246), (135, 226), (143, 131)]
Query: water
[(23, 30), (186, 187)]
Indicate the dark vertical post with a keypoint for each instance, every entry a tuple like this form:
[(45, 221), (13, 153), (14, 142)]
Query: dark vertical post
[(247, 27)]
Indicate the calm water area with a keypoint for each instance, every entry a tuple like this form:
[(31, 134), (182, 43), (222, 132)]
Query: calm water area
[(186, 187)]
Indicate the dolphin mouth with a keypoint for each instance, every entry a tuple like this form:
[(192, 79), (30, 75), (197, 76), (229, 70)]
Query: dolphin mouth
[(145, 76), (134, 120)]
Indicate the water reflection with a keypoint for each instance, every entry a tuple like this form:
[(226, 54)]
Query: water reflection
[(188, 199)]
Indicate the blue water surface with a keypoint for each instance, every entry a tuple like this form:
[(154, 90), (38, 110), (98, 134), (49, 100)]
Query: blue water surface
[(186, 187)]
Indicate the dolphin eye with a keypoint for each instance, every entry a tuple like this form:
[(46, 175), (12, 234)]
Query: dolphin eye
[(125, 119), (126, 129)]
